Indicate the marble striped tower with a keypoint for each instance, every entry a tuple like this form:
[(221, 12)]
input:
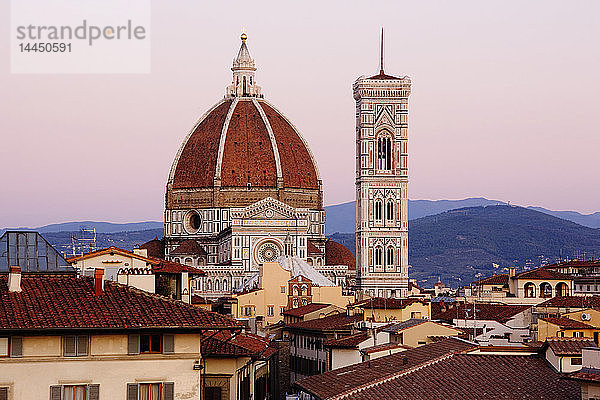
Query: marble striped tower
[(381, 183)]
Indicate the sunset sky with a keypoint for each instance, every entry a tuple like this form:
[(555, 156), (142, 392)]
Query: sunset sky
[(504, 103)]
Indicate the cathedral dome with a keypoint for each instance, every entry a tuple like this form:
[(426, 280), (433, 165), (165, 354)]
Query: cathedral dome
[(243, 150)]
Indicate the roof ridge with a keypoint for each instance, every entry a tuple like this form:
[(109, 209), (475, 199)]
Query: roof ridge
[(393, 376)]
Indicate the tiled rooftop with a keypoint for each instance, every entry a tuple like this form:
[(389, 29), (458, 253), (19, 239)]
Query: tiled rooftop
[(543, 273), (338, 254), (474, 377), (409, 323), (347, 379), (567, 323), (188, 246), (330, 323), (500, 279), (572, 302), (347, 342), (569, 346), (224, 344), (484, 312), (58, 303), (307, 309)]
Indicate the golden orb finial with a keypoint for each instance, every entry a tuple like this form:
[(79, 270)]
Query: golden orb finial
[(244, 36)]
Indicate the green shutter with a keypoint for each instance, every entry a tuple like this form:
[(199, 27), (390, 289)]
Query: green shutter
[(93, 392), (132, 391), (168, 344), (16, 346), (168, 391), (55, 393), (134, 344)]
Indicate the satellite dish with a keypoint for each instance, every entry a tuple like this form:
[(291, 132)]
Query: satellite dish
[(586, 317)]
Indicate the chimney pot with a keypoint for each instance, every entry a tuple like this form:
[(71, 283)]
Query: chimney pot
[(14, 279), (98, 281)]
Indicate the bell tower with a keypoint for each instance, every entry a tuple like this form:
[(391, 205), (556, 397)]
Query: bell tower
[(381, 183)]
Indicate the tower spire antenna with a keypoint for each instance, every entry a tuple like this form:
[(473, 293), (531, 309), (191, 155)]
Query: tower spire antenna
[(381, 53)]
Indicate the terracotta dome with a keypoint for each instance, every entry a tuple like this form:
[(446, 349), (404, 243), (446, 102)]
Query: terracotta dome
[(240, 151)]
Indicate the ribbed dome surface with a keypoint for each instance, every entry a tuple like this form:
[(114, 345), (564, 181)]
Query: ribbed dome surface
[(243, 141)]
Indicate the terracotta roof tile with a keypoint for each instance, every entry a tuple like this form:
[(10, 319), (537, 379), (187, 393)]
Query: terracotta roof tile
[(248, 154), (224, 344), (338, 254), (484, 312), (389, 346), (500, 279), (543, 273), (348, 342), (568, 323), (569, 346), (59, 303), (307, 309), (155, 247), (297, 166), (330, 323), (193, 171), (311, 248), (474, 377), (346, 379), (188, 246), (572, 302)]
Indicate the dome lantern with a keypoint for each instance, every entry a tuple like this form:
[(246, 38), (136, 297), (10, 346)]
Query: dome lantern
[(243, 83)]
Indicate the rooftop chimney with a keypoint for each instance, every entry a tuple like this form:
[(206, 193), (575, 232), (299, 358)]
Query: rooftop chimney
[(98, 281), (14, 279), (511, 272)]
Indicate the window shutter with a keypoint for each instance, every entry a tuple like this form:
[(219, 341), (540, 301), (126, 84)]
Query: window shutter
[(132, 391), (134, 344), (16, 346), (93, 392), (82, 345), (168, 391), (55, 392), (3, 393), (168, 344), (69, 346)]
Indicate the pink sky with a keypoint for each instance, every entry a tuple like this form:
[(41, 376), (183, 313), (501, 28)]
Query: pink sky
[(504, 104)]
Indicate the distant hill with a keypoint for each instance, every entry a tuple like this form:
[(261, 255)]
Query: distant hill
[(124, 240), (342, 217), (101, 227), (461, 245)]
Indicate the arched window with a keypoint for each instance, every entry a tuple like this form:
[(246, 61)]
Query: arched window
[(244, 90), (304, 290), (225, 285), (378, 210), (545, 290), (384, 153), (209, 285), (309, 261), (562, 289), (390, 256), (295, 290), (529, 289), (177, 260), (188, 261), (217, 286), (295, 303), (389, 211), (378, 256)]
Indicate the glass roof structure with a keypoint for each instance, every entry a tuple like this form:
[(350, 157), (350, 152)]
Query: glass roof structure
[(31, 252)]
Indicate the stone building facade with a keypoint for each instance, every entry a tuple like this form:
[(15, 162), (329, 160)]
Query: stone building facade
[(244, 189), (381, 184)]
